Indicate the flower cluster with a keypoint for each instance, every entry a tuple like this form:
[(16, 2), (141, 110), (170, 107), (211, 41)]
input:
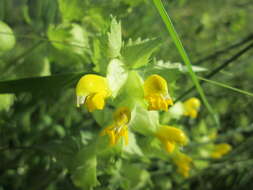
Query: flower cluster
[(93, 90)]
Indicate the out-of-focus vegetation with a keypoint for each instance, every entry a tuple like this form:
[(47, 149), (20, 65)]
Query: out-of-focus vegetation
[(46, 46)]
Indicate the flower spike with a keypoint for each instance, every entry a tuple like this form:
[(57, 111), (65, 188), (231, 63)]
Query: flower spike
[(92, 90), (156, 93)]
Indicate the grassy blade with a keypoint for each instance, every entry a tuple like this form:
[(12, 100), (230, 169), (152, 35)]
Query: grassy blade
[(47, 84), (169, 25), (227, 86)]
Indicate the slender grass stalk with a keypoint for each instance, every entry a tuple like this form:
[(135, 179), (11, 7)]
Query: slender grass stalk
[(227, 86), (169, 25)]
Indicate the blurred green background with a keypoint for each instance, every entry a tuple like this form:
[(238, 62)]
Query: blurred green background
[(49, 37)]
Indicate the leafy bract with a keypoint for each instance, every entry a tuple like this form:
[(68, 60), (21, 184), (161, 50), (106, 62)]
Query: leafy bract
[(116, 76), (143, 121), (107, 47), (114, 39), (137, 54)]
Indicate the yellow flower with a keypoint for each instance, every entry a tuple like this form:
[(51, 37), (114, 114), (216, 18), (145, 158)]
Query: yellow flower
[(119, 127), (220, 150), (191, 107), (156, 93), (92, 90), (183, 163), (170, 136)]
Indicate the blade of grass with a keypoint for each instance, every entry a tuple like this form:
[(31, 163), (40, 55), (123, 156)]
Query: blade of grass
[(227, 86), (169, 25), (46, 84)]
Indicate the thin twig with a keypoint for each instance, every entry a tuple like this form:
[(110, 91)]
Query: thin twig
[(225, 50)]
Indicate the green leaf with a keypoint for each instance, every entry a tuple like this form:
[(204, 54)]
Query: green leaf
[(41, 85), (72, 9), (116, 75), (69, 38), (137, 54), (7, 38), (39, 14)]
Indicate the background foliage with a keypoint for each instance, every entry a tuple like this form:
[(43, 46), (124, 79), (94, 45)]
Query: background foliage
[(44, 137)]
